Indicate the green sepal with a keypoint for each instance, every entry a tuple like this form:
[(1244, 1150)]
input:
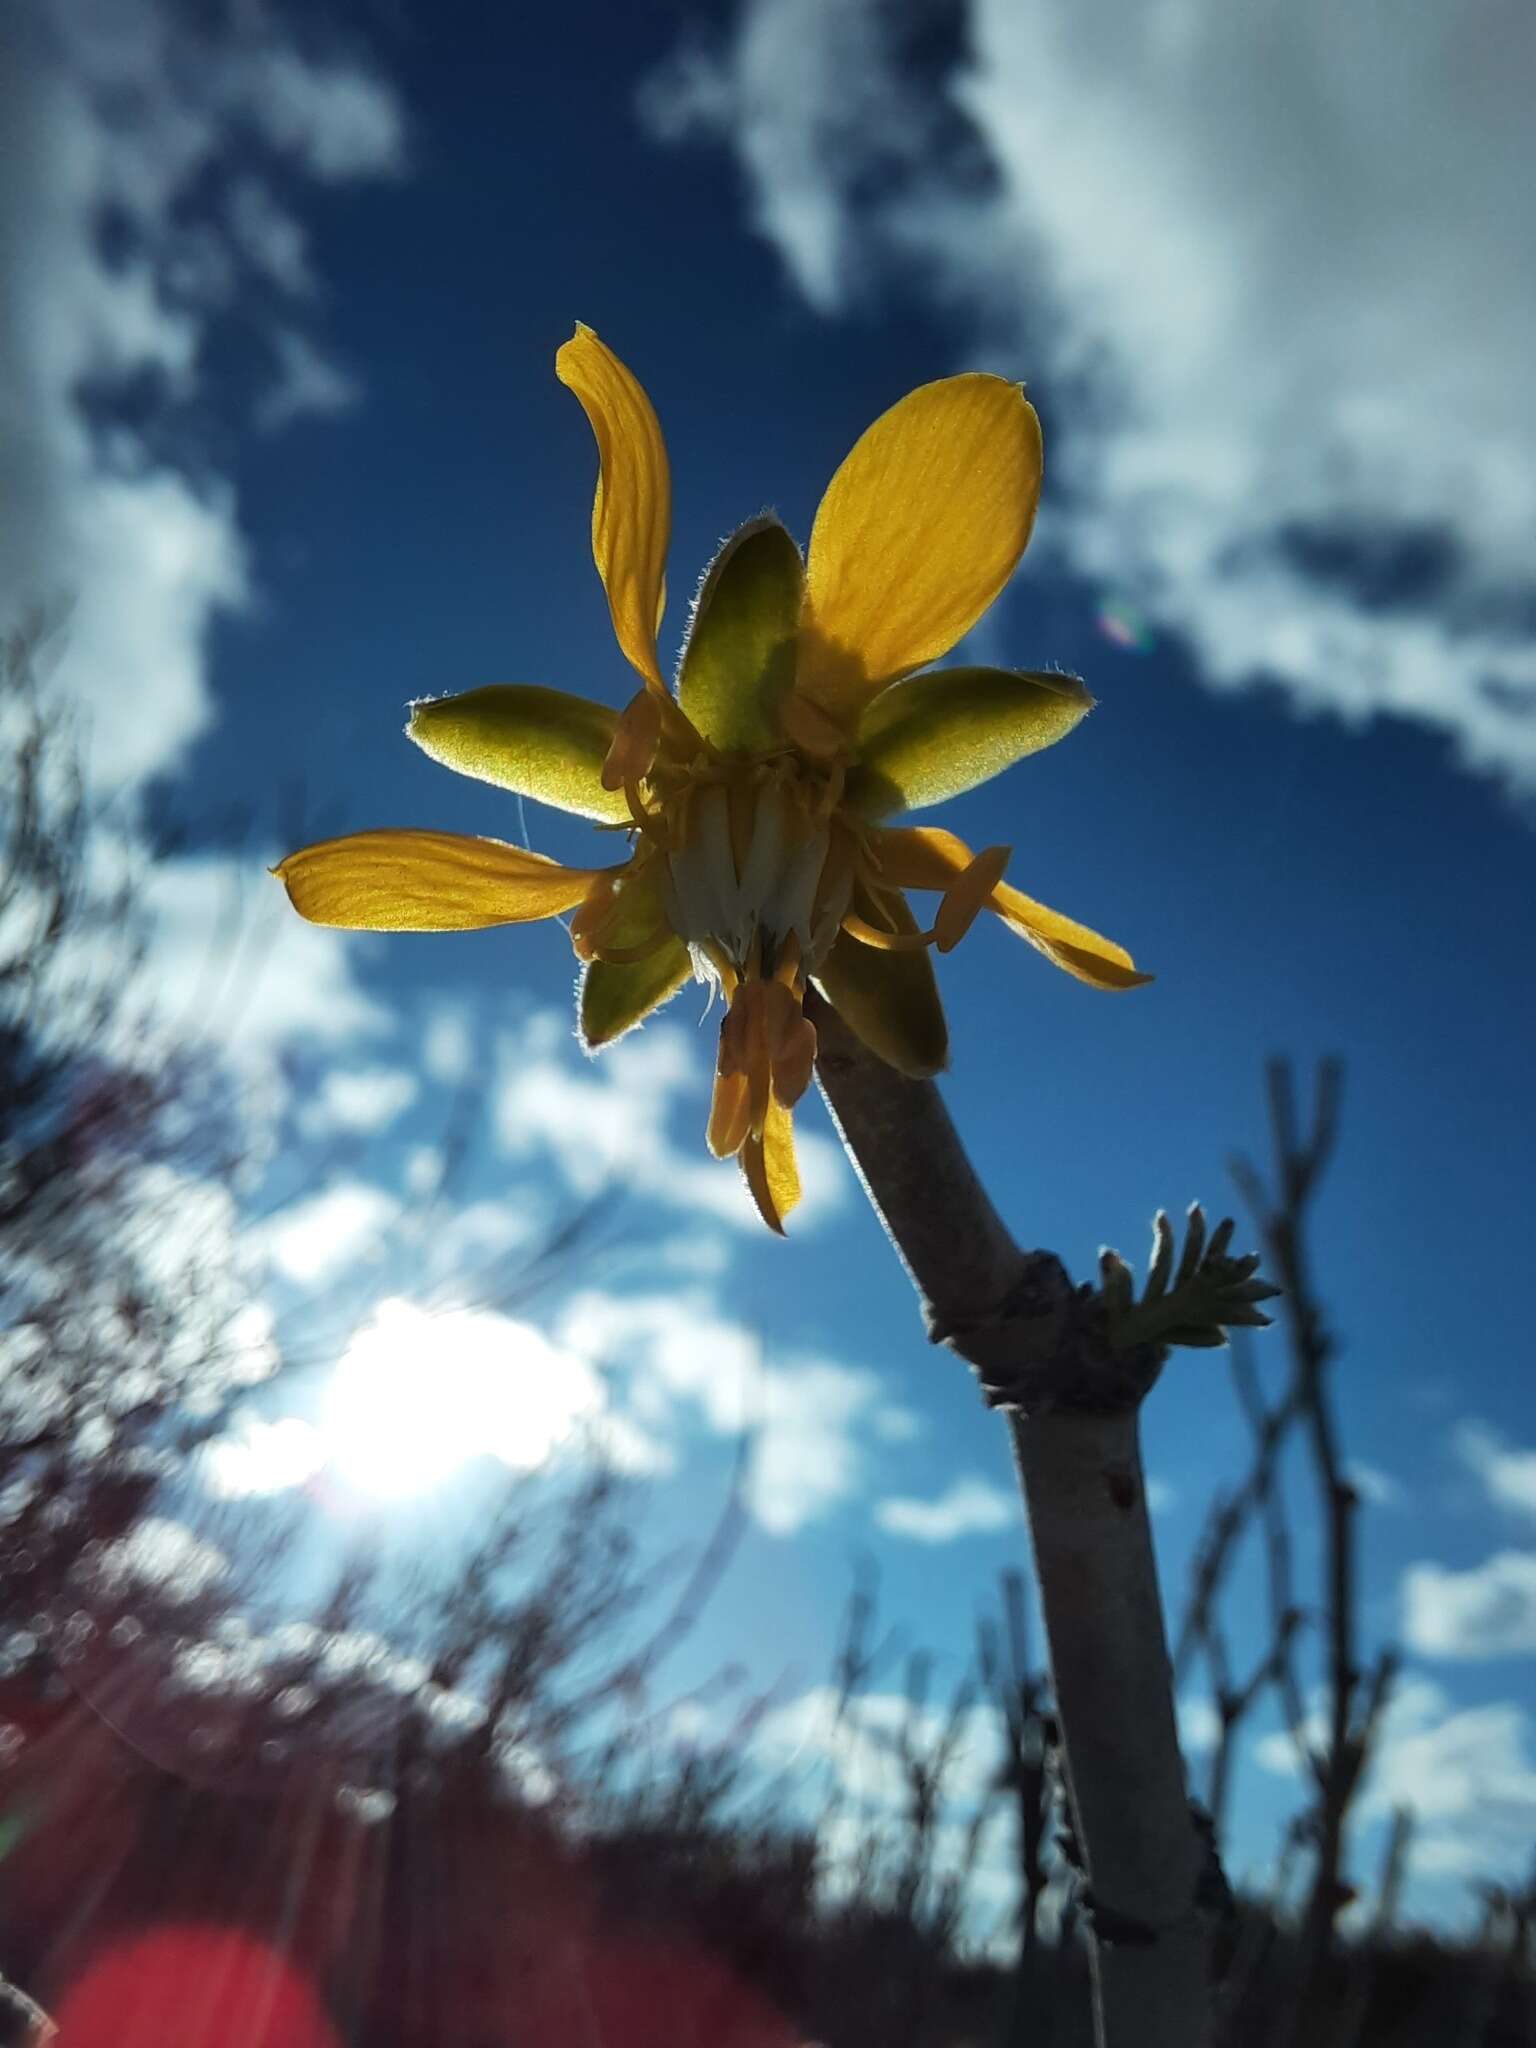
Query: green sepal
[(541, 743), (889, 1000), (616, 995), (739, 658), (929, 739)]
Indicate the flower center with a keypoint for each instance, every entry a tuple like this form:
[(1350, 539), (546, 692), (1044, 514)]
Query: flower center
[(754, 860)]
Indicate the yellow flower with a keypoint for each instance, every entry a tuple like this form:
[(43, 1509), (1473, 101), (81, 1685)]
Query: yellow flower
[(752, 800)]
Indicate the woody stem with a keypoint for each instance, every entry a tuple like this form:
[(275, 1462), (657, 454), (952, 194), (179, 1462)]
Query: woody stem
[(1073, 1419)]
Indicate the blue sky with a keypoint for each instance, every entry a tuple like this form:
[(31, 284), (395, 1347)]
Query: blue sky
[(283, 398)]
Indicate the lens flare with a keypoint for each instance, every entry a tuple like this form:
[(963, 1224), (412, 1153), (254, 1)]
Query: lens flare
[(1124, 626), (192, 1986)]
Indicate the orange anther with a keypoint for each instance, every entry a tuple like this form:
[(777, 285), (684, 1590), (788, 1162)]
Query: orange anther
[(730, 1115), (792, 1066), (632, 751)]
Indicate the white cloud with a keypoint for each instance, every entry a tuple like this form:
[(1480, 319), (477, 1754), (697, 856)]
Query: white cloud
[(1465, 1771), (1488, 1611), (968, 1506), (606, 1122), (448, 1046), (1273, 272), (308, 385), (700, 1255), (674, 1355), (423, 1171), (1199, 1724), (232, 963), (343, 1223), (857, 1746), (358, 1100), (1469, 1765), (860, 1743), (273, 242), (678, 1349), (1374, 1486), (130, 110), (805, 85), (1508, 1476), (339, 122), (259, 1457), (808, 1456)]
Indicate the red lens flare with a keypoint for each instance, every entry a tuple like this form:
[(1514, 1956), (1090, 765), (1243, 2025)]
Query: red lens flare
[(191, 1987)]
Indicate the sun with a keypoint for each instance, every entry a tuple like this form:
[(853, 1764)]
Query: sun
[(418, 1394)]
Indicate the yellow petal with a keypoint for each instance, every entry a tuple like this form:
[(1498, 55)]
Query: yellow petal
[(941, 734), (632, 508), (769, 1165), (918, 532), (925, 857), (890, 1000), (404, 881), (541, 743)]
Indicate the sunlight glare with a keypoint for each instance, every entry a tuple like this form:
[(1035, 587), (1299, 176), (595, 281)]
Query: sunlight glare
[(416, 1395)]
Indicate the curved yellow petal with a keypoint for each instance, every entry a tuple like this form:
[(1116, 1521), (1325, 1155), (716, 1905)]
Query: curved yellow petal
[(541, 743), (632, 507), (918, 532), (938, 735), (406, 881), (769, 1165), (926, 857), (889, 1000), (739, 661)]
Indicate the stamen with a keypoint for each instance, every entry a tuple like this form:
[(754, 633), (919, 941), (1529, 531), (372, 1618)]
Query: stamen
[(716, 964), (790, 905), (730, 1115), (885, 942), (653, 824), (832, 791), (966, 897), (793, 1065), (787, 969), (632, 751), (765, 852), (709, 866), (808, 727), (834, 894)]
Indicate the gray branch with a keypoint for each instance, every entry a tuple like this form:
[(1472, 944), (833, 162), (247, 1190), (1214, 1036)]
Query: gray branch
[(1044, 1351)]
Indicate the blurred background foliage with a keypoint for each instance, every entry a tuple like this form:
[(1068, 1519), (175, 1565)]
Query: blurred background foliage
[(383, 1790)]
